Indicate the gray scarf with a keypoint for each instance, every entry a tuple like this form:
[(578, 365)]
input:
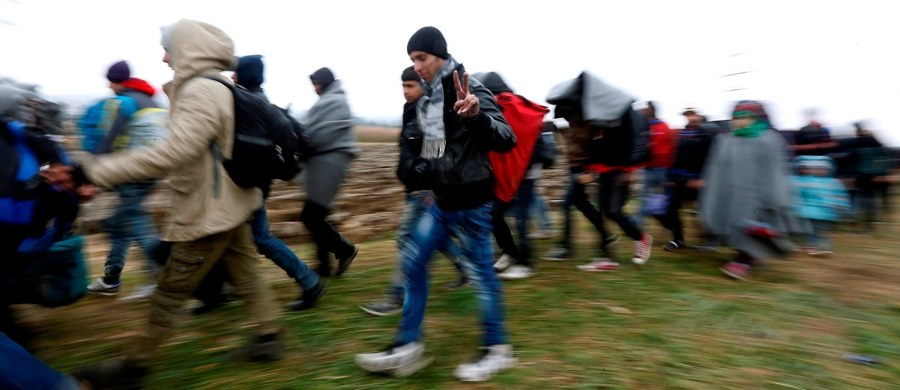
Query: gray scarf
[(431, 112)]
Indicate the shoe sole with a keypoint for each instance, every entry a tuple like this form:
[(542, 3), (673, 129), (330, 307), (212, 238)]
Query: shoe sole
[(510, 363), (517, 277), (732, 274), (380, 313), (343, 265), (595, 269), (412, 368), (105, 293)]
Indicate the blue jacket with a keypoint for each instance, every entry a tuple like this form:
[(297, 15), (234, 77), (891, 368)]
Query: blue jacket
[(821, 198)]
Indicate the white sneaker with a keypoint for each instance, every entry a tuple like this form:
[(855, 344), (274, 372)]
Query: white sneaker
[(504, 262), (400, 361), (101, 288), (142, 293), (516, 272), (494, 359)]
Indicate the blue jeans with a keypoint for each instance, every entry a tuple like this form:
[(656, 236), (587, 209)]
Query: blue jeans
[(522, 208), (130, 223), (540, 210), (417, 203), (19, 369), (473, 227), (277, 251), (818, 238), (654, 178)]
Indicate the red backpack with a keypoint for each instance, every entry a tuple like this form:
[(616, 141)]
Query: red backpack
[(526, 119)]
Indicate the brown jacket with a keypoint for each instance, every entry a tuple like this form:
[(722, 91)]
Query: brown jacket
[(201, 114), (576, 138)]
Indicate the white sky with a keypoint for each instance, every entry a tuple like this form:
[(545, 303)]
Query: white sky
[(836, 56)]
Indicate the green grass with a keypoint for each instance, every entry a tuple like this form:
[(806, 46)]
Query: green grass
[(676, 324)]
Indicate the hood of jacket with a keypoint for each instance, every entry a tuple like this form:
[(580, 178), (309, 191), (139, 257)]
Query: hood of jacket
[(199, 48), (815, 162), (493, 82), (601, 103)]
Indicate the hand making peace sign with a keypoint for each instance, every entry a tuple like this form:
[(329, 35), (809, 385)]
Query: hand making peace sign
[(466, 103)]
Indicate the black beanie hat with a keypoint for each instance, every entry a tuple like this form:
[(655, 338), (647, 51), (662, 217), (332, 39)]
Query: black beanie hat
[(409, 74), (429, 40), (250, 71), (323, 77), (118, 72)]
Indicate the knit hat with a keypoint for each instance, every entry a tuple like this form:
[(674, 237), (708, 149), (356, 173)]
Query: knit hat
[(250, 71), (493, 82), (118, 72), (323, 77), (429, 40), (754, 107), (409, 74)]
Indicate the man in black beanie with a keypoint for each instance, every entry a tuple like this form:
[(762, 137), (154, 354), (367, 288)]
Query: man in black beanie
[(461, 123), (332, 145)]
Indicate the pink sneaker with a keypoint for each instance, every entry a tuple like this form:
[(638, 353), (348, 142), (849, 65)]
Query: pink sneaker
[(600, 266), (642, 250), (736, 270)]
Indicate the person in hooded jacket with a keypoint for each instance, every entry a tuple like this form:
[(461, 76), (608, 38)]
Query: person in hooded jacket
[(331, 147), (210, 213)]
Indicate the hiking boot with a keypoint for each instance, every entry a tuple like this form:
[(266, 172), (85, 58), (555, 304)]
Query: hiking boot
[(504, 262), (399, 361), (266, 348), (736, 270), (493, 359), (142, 293), (117, 374), (642, 250), (100, 287), (673, 245), (344, 262), (459, 283), (557, 254), (309, 298), (600, 266), (516, 272), (388, 306)]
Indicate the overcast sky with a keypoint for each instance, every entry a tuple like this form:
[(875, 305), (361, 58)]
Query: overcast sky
[(834, 56)]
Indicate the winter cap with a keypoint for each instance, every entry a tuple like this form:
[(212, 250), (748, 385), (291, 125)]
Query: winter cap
[(118, 72), (753, 107), (323, 77), (250, 71), (409, 74), (429, 40)]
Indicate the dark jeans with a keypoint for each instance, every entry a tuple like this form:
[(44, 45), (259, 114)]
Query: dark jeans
[(501, 231), (326, 237), (522, 209), (678, 192), (577, 196), (129, 223), (613, 194)]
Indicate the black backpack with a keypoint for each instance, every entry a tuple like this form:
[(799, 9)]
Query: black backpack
[(624, 144), (545, 149), (267, 140)]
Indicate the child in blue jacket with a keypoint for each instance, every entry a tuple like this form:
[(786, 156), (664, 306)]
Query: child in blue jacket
[(821, 198)]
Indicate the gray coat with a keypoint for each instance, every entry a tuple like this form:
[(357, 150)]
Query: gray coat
[(329, 123), (748, 179)]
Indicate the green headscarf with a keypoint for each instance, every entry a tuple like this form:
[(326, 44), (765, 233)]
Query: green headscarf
[(754, 129)]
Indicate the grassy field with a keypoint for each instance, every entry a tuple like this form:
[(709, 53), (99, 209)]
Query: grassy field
[(675, 324)]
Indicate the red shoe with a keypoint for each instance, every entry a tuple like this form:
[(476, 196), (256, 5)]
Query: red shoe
[(642, 250), (736, 270), (600, 266)]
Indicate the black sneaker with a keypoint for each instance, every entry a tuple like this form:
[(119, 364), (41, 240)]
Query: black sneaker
[(112, 374), (344, 262), (385, 307), (461, 282), (673, 245), (309, 298)]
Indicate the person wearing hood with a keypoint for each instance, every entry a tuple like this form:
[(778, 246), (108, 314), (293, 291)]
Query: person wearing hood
[(130, 221), (210, 213), (249, 74), (746, 198), (331, 147), (461, 123), (526, 120), (820, 198)]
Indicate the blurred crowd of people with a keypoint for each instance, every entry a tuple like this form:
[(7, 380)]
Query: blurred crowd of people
[(472, 153)]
